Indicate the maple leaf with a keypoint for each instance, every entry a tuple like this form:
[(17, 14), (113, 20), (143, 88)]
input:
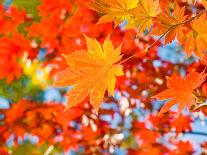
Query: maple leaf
[(182, 147), (172, 21), (144, 14), (180, 91), (182, 124), (196, 39), (91, 73), (118, 10)]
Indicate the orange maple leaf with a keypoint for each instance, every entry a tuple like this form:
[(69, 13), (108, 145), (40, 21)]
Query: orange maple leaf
[(180, 91), (166, 21), (91, 73), (196, 39)]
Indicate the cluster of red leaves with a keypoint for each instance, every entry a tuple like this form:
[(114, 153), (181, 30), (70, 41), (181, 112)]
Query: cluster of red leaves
[(182, 148), (47, 121), (42, 120), (50, 123), (169, 122), (148, 137), (4, 151), (57, 21), (11, 19), (11, 49), (13, 44)]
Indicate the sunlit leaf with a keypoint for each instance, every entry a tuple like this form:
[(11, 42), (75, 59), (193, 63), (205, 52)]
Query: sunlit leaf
[(91, 73)]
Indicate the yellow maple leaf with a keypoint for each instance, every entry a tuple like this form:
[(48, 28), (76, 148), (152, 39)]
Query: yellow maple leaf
[(118, 10), (144, 14), (91, 73)]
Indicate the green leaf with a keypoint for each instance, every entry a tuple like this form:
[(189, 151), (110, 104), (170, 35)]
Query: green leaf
[(29, 5), (15, 88), (129, 142), (31, 149)]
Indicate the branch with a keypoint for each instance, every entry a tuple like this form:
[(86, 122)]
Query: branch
[(197, 133), (189, 132), (166, 32), (162, 132)]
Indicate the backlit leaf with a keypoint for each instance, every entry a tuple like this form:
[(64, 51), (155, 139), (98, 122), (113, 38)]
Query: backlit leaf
[(180, 91), (118, 10), (167, 20), (91, 73), (196, 39), (144, 13)]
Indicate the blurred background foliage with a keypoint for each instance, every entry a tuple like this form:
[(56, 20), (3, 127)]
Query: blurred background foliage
[(33, 122)]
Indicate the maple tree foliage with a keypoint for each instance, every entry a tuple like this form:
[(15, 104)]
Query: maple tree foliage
[(102, 77)]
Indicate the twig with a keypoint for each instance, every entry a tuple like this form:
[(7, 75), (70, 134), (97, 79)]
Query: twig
[(196, 133), (169, 29)]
